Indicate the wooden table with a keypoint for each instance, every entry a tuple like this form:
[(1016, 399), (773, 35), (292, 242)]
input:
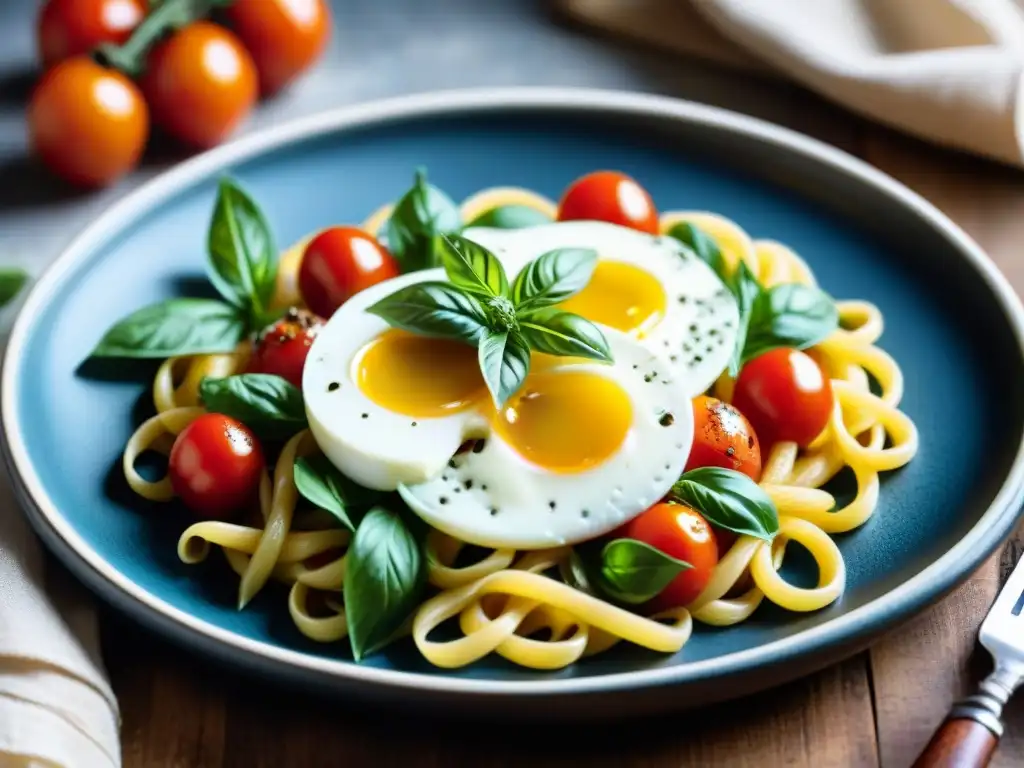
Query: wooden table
[(877, 708)]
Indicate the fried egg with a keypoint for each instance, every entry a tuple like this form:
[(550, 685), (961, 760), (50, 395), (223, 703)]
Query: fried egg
[(648, 286), (580, 448)]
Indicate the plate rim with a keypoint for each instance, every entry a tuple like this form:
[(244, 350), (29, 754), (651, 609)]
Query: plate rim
[(888, 609)]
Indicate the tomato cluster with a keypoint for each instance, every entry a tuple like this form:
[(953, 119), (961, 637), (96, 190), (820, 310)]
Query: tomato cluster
[(113, 68)]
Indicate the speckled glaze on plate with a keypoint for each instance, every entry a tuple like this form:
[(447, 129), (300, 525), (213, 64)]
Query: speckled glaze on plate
[(952, 323)]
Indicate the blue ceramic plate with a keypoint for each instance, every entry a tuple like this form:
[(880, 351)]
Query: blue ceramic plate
[(952, 323)]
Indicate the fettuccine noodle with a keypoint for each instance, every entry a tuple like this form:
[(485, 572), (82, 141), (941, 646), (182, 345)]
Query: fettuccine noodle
[(503, 600)]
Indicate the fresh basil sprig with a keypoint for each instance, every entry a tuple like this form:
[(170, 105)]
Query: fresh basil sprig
[(241, 265), (269, 405), (702, 244), (510, 217), (418, 221), (12, 280), (789, 315), (242, 257), (323, 484), (385, 576), (175, 327), (627, 571), (504, 322), (730, 500), (786, 315)]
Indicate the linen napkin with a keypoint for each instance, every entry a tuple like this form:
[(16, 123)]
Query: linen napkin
[(56, 708), (949, 71)]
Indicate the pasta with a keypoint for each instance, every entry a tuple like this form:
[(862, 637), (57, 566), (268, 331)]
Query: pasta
[(524, 605)]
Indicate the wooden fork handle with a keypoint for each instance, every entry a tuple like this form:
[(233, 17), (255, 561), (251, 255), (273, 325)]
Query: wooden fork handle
[(960, 742)]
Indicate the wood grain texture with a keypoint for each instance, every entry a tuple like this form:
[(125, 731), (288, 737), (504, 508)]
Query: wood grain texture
[(958, 744), (180, 711)]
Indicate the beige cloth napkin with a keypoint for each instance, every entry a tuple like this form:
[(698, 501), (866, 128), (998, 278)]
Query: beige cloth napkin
[(56, 708), (944, 70)]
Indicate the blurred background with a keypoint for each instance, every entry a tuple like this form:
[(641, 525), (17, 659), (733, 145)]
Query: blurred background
[(373, 48)]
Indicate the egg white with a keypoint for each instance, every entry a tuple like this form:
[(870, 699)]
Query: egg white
[(372, 445), (495, 497), (697, 332)]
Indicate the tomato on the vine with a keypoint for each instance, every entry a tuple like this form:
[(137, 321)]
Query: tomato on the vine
[(200, 83), (340, 262), (282, 348), (609, 196), (683, 533), (69, 28), (215, 465), (284, 37), (722, 437), (87, 123), (785, 395)]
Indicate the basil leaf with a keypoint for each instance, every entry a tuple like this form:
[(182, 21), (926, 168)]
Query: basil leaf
[(269, 405), (242, 255), (702, 244), (417, 221), (789, 315), (553, 277), (174, 327), (745, 289), (12, 280), (555, 332), (634, 572), (510, 217), (730, 500), (323, 484), (385, 575), (504, 361), (472, 267), (434, 309)]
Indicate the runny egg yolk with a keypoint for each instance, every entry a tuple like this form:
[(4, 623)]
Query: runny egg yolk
[(561, 419), (566, 421), (419, 376), (621, 296)]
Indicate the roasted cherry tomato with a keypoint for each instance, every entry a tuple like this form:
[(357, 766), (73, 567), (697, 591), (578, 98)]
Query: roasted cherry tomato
[(87, 123), (201, 84), (609, 196), (215, 465), (284, 37), (337, 264), (72, 27), (785, 395), (722, 437), (281, 349), (681, 532)]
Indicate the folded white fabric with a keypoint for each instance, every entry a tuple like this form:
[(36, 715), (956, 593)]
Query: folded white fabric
[(56, 706), (945, 70)]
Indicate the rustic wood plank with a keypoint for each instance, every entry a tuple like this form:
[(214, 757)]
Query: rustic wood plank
[(919, 671)]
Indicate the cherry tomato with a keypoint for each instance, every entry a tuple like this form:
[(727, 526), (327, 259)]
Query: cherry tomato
[(282, 348), (201, 84), (722, 437), (284, 37), (337, 264), (785, 395), (215, 465), (609, 196), (683, 533), (87, 123), (72, 27)]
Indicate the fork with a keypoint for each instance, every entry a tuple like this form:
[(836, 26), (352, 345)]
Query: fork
[(971, 731)]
